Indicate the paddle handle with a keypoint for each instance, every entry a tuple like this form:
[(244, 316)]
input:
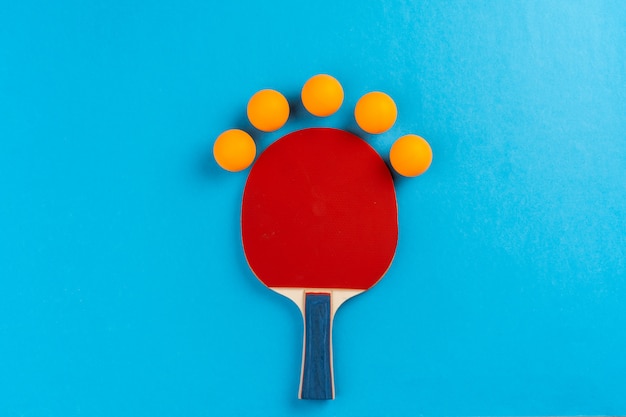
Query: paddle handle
[(317, 367)]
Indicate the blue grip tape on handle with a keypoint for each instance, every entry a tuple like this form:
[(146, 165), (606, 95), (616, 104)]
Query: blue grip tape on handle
[(317, 380)]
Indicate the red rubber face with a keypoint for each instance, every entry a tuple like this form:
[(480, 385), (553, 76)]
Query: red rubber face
[(319, 211)]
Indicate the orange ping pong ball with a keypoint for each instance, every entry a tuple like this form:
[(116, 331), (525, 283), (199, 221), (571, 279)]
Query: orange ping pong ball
[(375, 112), (322, 95), (268, 110), (234, 150), (410, 155)]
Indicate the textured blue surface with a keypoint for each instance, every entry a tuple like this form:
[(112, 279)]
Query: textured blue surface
[(123, 286), (317, 382)]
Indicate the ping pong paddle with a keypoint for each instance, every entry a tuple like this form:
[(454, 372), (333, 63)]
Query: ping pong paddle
[(319, 224)]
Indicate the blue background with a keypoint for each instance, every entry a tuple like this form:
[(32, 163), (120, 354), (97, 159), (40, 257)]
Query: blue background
[(123, 286)]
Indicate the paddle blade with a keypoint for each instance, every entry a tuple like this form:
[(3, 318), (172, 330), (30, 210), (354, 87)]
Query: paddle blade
[(319, 211)]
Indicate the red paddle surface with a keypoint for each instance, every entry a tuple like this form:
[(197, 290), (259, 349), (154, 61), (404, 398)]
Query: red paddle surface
[(319, 211)]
